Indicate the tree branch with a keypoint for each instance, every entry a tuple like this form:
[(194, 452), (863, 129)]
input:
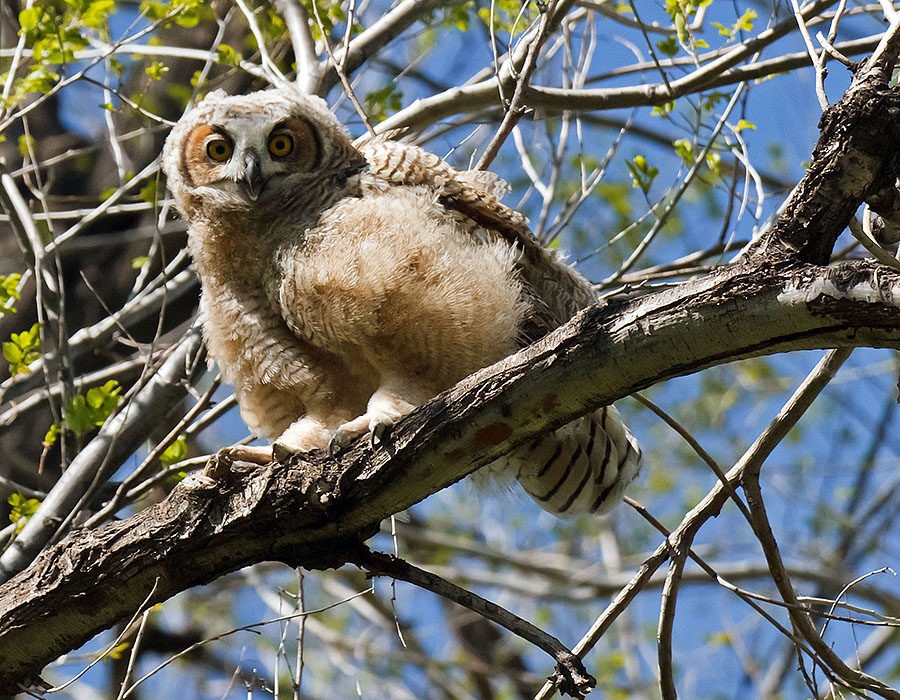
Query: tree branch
[(119, 437), (311, 510), (571, 677)]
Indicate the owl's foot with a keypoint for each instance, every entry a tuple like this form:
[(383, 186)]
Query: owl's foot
[(383, 410), (378, 428), (281, 450), (219, 465), (303, 435)]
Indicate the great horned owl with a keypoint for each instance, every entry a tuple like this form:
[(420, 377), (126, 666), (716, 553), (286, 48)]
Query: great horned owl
[(342, 286)]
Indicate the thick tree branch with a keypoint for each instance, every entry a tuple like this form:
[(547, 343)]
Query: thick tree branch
[(855, 158), (308, 512)]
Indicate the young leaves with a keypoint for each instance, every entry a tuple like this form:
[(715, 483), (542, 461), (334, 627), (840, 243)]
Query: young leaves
[(22, 349)]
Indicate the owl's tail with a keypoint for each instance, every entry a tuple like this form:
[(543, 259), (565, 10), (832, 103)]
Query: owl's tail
[(582, 467)]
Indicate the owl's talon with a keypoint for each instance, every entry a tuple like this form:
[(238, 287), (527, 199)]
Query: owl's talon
[(340, 441), (333, 446), (380, 433), (282, 451), (221, 463)]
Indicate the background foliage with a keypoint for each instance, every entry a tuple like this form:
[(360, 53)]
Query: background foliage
[(641, 188)]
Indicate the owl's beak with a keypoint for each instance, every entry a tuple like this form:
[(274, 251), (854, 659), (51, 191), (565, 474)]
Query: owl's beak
[(252, 180)]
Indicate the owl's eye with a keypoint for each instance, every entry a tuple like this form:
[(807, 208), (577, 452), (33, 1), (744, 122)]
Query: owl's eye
[(219, 150), (281, 145)]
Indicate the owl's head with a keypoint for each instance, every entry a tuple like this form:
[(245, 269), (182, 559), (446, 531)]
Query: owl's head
[(255, 153)]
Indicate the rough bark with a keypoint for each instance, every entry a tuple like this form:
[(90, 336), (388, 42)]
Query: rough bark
[(307, 513)]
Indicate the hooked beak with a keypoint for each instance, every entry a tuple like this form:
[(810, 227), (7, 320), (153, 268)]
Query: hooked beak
[(252, 180)]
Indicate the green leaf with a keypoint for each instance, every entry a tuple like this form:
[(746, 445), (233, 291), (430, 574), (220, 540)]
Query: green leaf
[(104, 399), (51, 435), (148, 192), (156, 70), (723, 30), (9, 292), (228, 55), (712, 99), (22, 349), (668, 46), (714, 163), (77, 416), (642, 173), (744, 124), (745, 21), (680, 25), (379, 103), (685, 150), (29, 18), (26, 144), (663, 110), (117, 652), (12, 353), (506, 15), (39, 79), (97, 12), (184, 13), (84, 413), (22, 509), (458, 15), (174, 453)]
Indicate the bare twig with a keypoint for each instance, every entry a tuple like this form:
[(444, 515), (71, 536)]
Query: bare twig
[(570, 677), (125, 630), (550, 18), (715, 499), (246, 628), (297, 20), (814, 57), (696, 447), (342, 74), (750, 482)]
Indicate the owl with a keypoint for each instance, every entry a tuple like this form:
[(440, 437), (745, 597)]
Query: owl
[(343, 286)]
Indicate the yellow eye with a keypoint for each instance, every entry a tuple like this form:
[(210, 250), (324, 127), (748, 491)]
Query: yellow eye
[(219, 150), (281, 145)]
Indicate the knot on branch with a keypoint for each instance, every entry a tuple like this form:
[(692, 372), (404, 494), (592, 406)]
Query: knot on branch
[(869, 115), (571, 678), (857, 155)]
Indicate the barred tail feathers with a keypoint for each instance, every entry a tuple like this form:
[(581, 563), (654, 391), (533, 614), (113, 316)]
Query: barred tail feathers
[(583, 467)]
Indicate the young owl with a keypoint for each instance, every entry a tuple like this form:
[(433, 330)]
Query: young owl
[(342, 286)]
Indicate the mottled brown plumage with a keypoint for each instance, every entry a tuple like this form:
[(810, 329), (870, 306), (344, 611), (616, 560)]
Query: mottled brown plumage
[(342, 287)]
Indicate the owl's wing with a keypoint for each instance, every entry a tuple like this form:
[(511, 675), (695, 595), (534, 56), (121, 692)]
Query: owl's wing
[(557, 291)]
